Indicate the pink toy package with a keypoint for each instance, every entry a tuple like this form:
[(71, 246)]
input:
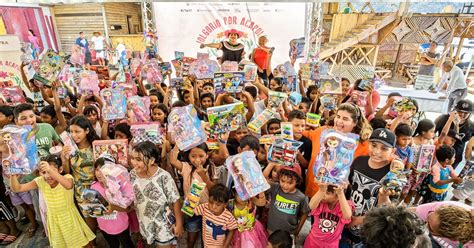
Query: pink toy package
[(138, 109), (119, 188), (67, 141), (117, 148), (151, 71), (89, 83), (12, 95)]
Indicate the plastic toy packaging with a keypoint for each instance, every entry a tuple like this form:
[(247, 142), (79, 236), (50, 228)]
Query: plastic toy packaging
[(146, 132), (328, 102), (286, 130), (275, 99), (119, 190), (359, 98), (68, 141), (115, 104), (313, 119), (185, 127), (330, 85), (62, 92), (186, 63), (116, 148), (231, 82), (178, 54), (395, 180), (257, 123), (226, 118), (165, 69), (250, 72), (335, 156), (268, 139), (151, 71), (425, 159), (284, 151), (78, 55), (193, 197), (89, 82), (229, 66), (21, 156), (247, 174), (305, 71), (94, 205), (138, 109), (203, 68), (49, 68), (295, 98), (297, 48), (286, 70), (136, 66), (12, 95)]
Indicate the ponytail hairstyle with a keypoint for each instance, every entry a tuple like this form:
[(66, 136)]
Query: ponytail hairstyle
[(356, 115), (84, 123), (423, 126), (456, 223)]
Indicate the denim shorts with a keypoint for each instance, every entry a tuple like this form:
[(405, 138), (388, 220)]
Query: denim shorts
[(193, 224)]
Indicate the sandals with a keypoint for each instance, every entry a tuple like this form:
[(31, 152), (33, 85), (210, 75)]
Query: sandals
[(8, 239)]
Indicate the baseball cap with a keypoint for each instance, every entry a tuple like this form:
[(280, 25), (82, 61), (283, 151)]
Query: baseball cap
[(295, 168), (453, 134), (384, 136), (464, 106)]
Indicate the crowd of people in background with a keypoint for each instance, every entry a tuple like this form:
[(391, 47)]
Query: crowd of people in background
[(433, 208)]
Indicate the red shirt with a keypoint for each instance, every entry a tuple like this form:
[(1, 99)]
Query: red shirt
[(261, 58)]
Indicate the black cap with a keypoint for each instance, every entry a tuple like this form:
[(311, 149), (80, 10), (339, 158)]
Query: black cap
[(384, 136), (453, 134), (464, 106)]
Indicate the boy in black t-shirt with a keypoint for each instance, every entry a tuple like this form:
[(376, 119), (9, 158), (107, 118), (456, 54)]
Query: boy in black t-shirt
[(298, 121), (366, 174)]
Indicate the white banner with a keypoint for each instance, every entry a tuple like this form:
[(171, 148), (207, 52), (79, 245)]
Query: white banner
[(184, 26), (10, 62)]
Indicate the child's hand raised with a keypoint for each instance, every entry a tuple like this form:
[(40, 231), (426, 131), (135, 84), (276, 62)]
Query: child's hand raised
[(44, 167), (322, 186), (66, 152)]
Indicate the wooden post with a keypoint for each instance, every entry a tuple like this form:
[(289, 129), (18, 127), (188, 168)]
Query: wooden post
[(397, 60), (106, 26), (458, 51)]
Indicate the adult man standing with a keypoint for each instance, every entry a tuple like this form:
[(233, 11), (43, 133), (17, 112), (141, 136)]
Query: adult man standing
[(454, 83), (82, 42), (459, 120), (429, 60)]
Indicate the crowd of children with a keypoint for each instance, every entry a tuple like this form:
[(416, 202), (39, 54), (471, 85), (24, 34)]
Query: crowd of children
[(334, 160)]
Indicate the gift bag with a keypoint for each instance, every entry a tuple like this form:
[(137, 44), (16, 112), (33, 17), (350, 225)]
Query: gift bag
[(185, 127), (226, 118), (335, 156), (284, 151), (22, 154), (115, 104), (117, 148), (138, 109), (247, 174), (119, 190)]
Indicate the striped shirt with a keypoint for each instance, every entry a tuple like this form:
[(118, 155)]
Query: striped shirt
[(214, 228)]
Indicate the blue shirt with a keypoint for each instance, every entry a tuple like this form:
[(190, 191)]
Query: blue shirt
[(405, 154), (83, 43)]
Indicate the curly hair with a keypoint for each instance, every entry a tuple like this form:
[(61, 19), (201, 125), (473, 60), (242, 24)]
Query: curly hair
[(391, 227), (456, 223)]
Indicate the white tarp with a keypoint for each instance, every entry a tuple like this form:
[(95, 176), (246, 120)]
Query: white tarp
[(184, 26)]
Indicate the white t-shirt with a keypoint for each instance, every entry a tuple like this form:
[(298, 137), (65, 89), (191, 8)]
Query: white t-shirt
[(98, 42)]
